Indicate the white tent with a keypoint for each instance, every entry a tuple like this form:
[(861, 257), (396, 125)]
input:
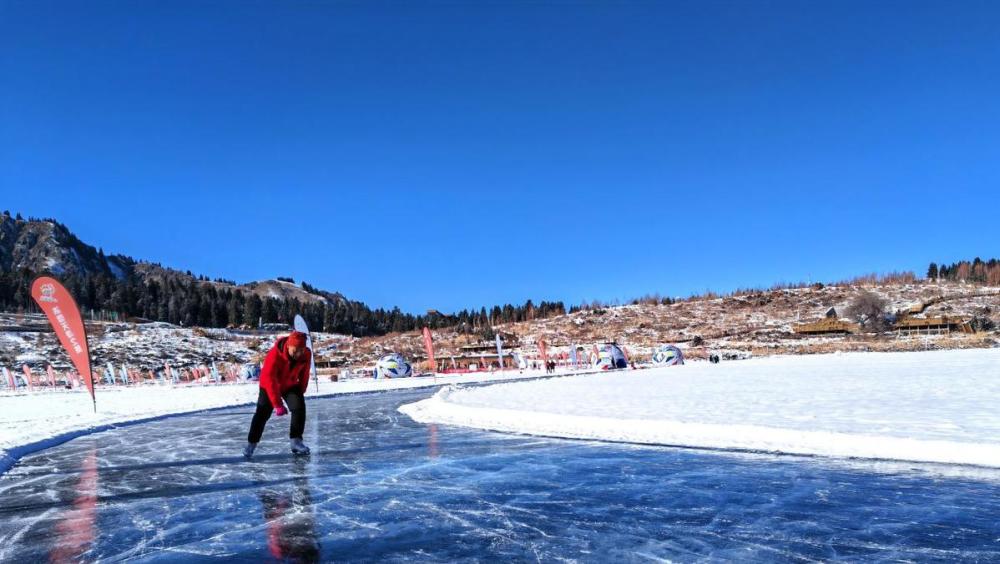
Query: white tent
[(393, 366), (668, 355)]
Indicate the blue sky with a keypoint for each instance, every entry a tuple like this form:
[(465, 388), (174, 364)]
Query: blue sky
[(451, 155)]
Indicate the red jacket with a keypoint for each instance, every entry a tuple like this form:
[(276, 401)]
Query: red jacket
[(280, 374)]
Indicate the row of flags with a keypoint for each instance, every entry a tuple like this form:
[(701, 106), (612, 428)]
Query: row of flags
[(64, 315), (542, 350), (120, 376)]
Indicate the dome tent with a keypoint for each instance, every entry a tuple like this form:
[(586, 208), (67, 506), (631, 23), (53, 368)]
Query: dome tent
[(393, 366), (668, 355)]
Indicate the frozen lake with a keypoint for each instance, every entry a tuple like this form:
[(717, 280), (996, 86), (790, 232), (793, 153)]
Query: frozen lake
[(381, 487)]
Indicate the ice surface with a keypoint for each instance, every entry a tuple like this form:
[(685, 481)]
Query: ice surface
[(27, 418), (930, 406), (380, 487)]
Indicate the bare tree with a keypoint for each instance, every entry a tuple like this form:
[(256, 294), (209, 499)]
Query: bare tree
[(868, 308)]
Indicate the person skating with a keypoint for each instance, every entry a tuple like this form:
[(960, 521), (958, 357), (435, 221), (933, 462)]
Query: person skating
[(285, 376)]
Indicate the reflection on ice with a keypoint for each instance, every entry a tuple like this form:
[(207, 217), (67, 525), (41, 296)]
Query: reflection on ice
[(75, 529), (380, 487), (289, 518)]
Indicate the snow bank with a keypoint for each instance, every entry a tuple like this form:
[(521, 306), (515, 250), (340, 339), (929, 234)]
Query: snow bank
[(928, 407), (33, 421)]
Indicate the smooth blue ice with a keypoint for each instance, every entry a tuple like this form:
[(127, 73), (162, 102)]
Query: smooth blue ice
[(379, 487)]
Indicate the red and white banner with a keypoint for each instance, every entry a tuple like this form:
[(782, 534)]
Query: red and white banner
[(64, 315), (429, 347)]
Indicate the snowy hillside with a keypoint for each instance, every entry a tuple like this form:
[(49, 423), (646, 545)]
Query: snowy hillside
[(743, 325)]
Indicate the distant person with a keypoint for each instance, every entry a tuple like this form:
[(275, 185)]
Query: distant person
[(285, 376)]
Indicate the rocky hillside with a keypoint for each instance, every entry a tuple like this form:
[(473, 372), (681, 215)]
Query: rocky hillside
[(117, 287), (48, 246)]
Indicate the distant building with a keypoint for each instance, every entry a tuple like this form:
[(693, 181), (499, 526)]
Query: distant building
[(333, 360), (829, 325), (932, 326), (480, 356)]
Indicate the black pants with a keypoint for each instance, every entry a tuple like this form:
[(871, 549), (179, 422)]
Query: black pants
[(295, 403)]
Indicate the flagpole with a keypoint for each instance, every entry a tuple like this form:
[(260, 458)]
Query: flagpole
[(90, 364)]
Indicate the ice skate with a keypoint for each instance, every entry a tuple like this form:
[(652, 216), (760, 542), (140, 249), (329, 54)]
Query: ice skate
[(298, 447)]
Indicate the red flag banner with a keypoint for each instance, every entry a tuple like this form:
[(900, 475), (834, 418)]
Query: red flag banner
[(64, 315), (541, 351), (429, 347), (27, 377)]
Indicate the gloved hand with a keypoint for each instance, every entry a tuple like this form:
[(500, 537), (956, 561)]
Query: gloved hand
[(280, 410)]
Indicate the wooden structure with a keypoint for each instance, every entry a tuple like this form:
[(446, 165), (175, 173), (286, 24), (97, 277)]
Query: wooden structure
[(826, 326), (932, 326), (480, 357), (333, 360)]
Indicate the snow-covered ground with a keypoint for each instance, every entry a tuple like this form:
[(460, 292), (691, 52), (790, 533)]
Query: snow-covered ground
[(938, 406), (35, 418)]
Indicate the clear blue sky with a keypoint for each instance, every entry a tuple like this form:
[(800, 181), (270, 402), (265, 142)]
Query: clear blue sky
[(450, 155)]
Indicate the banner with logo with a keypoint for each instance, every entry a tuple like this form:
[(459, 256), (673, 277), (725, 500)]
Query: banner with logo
[(429, 347), (64, 315)]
